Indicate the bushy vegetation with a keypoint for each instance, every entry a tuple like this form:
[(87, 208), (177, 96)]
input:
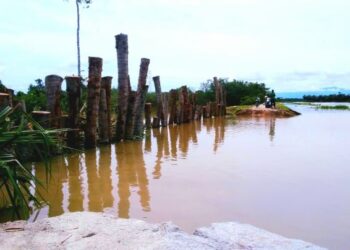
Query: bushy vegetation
[(237, 92), (19, 133), (35, 98)]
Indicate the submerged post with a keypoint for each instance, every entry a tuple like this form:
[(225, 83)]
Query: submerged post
[(93, 100), (172, 105), (123, 84), (148, 108), (42, 117), (4, 100), (103, 118), (11, 93), (164, 116), (106, 84), (53, 93), (73, 92), (129, 130)]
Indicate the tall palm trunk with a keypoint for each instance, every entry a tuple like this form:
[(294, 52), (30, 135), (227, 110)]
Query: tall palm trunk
[(78, 36), (123, 84)]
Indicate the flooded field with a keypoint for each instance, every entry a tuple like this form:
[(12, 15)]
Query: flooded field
[(290, 176)]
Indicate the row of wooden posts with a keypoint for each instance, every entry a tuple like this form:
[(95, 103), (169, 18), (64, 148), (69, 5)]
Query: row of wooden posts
[(173, 107)]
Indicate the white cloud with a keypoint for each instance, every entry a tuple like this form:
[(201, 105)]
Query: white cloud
[(187, 41)]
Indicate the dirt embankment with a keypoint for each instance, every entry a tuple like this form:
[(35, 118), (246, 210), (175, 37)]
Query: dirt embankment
[(280, 111)]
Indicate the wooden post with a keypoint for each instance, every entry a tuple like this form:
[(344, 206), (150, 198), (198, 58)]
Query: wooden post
[(205, 112), (42, 117), (93, 100), (103, 118), (140, 99), (198, 112), (11, 93), (155, 122), (148, 109), (224, 103), (53, 93), (73, 92), (123, 84), (186, 105), (213, 108), (4, 100), (158, 89), (129, 130), (217, 96), (106, 84), (193, 105), (172, 103), (164, 116)]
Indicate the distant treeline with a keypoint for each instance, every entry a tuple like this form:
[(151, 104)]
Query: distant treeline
[(327, 98)]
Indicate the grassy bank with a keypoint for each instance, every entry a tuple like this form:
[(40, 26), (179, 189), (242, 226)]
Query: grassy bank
[(233, 110), (337, 107)]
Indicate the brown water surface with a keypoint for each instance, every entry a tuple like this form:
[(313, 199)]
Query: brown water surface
[(289, 176)]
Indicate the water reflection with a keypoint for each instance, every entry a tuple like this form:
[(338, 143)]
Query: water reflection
[(76, 197), (272, 126), (106, 178), (132, 173), (256, 171)]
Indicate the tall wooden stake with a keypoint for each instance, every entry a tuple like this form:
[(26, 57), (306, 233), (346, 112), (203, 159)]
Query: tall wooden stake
[(93, 100), (106, 84), (53, 93), (123, 84), (103, 118), (73, 92)]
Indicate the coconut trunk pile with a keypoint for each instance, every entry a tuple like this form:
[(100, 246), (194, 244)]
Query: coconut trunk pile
[(173, 107)]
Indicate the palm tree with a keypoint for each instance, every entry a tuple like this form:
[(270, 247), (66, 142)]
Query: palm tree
[(77, 4)]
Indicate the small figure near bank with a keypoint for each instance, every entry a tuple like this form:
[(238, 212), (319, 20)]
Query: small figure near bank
[(267, 102), (257, 101), (273, 99)]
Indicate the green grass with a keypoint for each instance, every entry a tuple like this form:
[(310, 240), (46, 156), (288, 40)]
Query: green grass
[(337, 107), (233, 110), (281, 106)]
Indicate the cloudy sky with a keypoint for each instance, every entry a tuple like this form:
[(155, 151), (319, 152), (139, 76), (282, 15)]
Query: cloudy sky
[(291, 45)]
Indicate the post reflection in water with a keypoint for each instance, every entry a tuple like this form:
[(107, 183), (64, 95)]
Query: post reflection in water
[(103, 178), (76, 197), (132, 173), (219, 124), (272, 124), (93, 179), (54, 194)]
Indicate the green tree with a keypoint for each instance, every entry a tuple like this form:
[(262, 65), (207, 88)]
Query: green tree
[(35, 98), (2, 87)]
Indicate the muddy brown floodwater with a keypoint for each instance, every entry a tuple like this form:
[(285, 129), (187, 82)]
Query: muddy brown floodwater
[(290, 176)]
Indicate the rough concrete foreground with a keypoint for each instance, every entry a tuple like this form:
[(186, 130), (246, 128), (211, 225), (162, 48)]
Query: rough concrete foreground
[(86, 230)]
